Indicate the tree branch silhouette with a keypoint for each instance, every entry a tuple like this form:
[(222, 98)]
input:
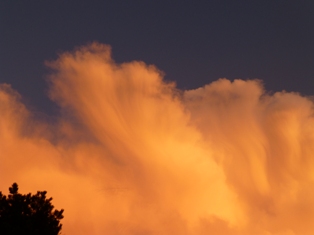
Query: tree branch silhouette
[(23, 214)]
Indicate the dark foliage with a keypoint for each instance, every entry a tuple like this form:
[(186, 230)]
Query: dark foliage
[(28, 214)]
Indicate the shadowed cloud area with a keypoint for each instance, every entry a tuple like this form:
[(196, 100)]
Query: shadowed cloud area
[(131, 154)]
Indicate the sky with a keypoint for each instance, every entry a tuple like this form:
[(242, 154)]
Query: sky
[(193, 43), (161, 118)]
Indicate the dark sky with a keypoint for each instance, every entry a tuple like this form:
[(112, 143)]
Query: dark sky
[(193, 42)]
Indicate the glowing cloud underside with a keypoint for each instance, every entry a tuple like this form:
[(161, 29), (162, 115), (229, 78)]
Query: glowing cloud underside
[(131, 154)]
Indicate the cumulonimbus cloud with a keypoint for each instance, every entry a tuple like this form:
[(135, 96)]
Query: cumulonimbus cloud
[(132, 154)]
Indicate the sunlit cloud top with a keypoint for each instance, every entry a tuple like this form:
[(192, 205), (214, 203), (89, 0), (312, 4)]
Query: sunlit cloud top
[(132, 154)]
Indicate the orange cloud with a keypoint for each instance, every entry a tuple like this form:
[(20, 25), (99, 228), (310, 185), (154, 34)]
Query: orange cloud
[(132, 154)]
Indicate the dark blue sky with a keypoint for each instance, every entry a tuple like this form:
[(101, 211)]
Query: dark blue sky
[(193, 42)]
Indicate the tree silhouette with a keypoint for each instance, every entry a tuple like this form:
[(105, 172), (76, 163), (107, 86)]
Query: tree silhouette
[(28, 214)]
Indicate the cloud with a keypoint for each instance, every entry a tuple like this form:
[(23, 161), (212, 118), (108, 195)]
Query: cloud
[(132, 154)]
